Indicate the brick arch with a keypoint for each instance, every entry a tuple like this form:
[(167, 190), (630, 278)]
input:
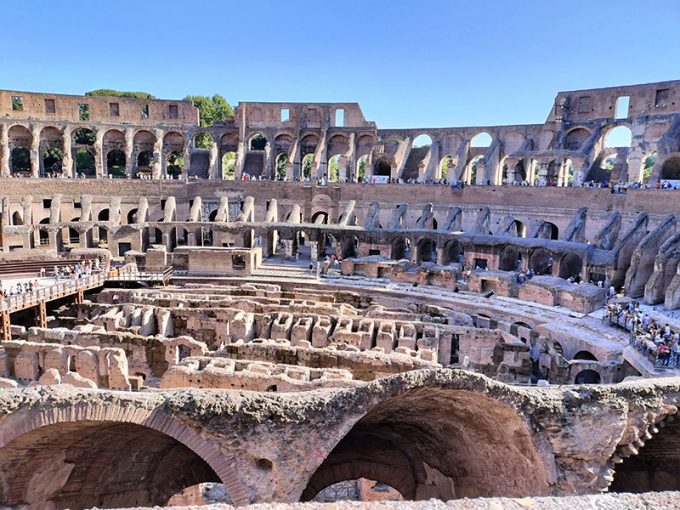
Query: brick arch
[(157, 420), (425, 439)]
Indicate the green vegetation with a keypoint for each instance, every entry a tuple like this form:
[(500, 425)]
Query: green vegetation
[(115, 163), (229, 166), (84, 162), (647, 169), (448, 164), (307, 165), (175, 163), (20, 159), (83, 136), (333, 165), (362, 167), (52, 159), (17, 103), (212, 109), (118, 93), (281, 162)]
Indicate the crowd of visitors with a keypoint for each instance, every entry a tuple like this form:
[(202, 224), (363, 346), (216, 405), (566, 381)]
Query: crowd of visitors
[(659, 342), (70, 272)]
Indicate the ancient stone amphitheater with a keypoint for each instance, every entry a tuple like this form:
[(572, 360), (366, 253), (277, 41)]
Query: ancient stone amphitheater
[(293, 305)]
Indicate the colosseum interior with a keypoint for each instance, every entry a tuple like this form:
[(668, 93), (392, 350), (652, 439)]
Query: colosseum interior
[(294, 305)]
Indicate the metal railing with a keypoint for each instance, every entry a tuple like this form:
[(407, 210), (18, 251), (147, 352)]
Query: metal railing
[(58, 290), (145, 274), (660, 359)]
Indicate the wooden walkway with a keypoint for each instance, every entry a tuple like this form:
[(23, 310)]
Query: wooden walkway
[(75, 287)]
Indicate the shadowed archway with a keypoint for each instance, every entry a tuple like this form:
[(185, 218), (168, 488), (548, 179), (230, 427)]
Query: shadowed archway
[(438, 443)]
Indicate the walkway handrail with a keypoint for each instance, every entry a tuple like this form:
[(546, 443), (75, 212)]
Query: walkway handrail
[(65, 288)]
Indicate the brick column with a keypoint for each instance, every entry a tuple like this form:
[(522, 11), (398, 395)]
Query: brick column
[(130, 163), (67, 167), (35, 151), (4, 150), (98, 153)]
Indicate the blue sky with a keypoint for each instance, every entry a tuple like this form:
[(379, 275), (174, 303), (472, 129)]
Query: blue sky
[(419, 63)]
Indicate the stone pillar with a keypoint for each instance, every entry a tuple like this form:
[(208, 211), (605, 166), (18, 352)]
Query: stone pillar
[(240, 160), (27, 207), (214, 166), (55, 210), (186, 156), (288, 248), (4, 150), (86, 208), (35, 151), (191, 238), (156, 164), (580, 174), (99, 163), (67, 167), (351, 159), (634, 167), (5, 212), (440, 256), (313, 251), (481, 176), (130, 163)]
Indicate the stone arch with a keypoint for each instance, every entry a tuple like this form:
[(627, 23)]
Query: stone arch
[(20, 161), (585, 355), (307, 164), (82, 429), (400, 248), (447, 167), (382, 167), (452, 251), (427, 250), (229, 142), (20, 140), (337, 168), (338, 144), (84, 161), (541, 261), (350, 247), (575, 138), (115, 163), (132, 216), (202, 140), (470, 175), (362, 165), (364, 145), (51, 150), (257, 142), (320, 218), (671, 168), (17, 218), (588, 376), (655, 464), (509, 258), (281, 164), (570, 265), (439, 443), (617, 137), (173, 153), (515, 327), (83, 136), (481, 139)]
